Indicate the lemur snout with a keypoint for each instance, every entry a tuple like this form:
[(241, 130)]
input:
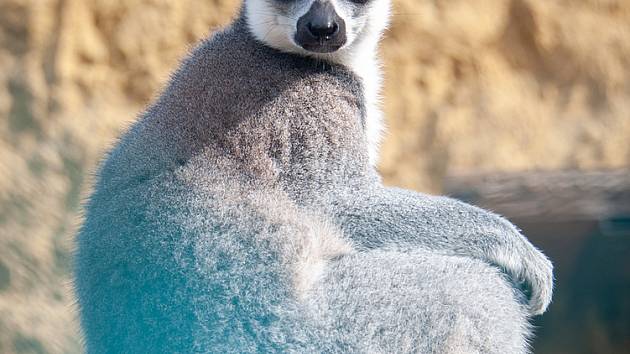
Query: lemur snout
[(321, 30)]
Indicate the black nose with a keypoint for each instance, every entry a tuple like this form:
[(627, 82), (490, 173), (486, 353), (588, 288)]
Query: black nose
[(321, 29)]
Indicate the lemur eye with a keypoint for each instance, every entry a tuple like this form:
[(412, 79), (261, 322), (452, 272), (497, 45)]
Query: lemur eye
[(359, 2)]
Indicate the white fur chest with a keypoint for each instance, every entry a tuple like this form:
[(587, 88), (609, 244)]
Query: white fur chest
[(368, 68)]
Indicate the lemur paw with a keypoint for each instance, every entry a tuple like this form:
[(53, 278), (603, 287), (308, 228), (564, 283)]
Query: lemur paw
[(538, 278), (528, 267), (531, 270)]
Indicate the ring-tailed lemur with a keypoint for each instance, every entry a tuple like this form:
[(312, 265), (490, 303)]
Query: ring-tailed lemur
[(241, 213)]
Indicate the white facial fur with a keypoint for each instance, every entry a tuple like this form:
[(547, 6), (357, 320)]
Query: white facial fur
[(274, 23)]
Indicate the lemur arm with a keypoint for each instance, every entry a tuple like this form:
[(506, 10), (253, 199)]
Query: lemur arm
[(394, 218)]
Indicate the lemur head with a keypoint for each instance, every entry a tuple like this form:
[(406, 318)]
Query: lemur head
[(333, 30)]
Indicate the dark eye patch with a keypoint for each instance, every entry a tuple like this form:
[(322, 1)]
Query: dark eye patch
[(359, 2)]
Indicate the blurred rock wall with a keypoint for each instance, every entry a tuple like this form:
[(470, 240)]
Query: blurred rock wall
[(479, 85), (506, 85)]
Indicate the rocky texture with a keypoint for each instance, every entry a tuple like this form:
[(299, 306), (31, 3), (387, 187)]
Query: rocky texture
[(506, 85), (561, 196), (479, 85)]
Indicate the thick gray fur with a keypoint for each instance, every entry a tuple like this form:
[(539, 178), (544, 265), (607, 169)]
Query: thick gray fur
[(240, 214)]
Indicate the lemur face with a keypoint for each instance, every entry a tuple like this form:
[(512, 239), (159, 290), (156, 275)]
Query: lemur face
[(319, 28)]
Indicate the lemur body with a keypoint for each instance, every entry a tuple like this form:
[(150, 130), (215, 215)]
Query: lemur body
[(241, 213)]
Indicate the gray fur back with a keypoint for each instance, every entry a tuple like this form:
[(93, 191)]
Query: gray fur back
[(240, 214)]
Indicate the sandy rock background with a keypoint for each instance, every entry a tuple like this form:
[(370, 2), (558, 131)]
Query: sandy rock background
[(472, 85)]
